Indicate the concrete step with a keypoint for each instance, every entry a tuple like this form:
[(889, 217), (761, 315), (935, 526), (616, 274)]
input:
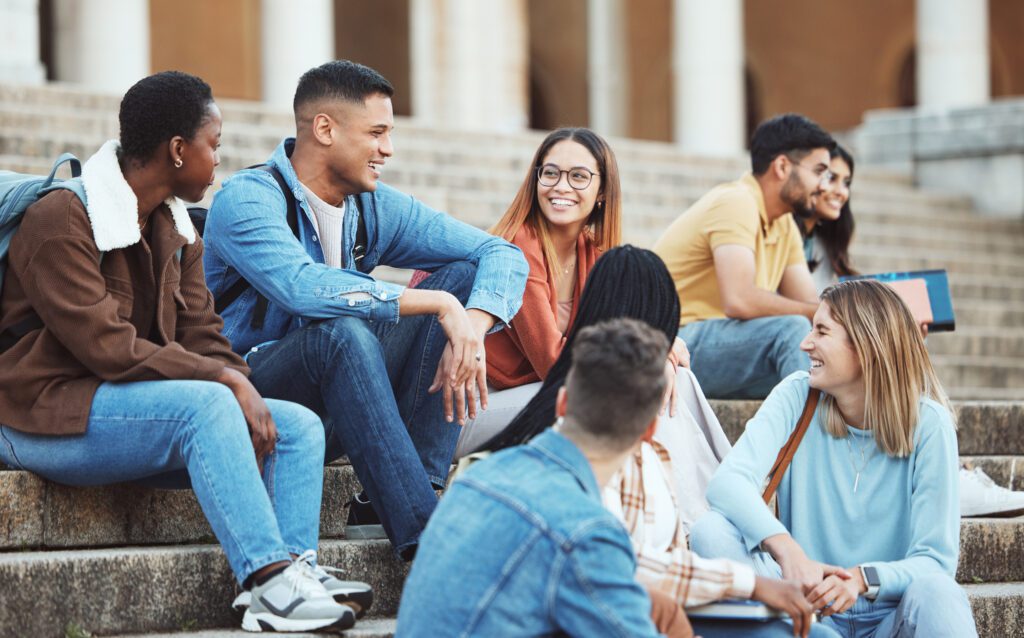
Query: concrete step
[(989, 314), (983, 427), (979, 341), (997, 609), (35, 513), (366, 628), (156, 589), (873, 259), (962, 372)]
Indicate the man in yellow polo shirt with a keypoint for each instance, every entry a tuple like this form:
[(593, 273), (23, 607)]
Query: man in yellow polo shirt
[(736, 256)]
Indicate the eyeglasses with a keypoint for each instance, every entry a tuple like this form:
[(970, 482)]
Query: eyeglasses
[(578, 177), (824, 177)]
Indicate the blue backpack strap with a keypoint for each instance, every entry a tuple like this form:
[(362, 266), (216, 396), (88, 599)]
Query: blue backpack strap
[(66, 158)]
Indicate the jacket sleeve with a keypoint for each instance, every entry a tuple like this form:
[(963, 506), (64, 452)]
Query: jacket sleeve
[(60, 273), (413, 235), (247, 228), (198, 326), (535, 326), (596, 593)]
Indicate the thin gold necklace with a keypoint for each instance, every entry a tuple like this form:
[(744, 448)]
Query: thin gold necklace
[(864, 458)]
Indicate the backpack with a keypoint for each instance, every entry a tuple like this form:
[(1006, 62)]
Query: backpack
[(17, 192), (259, 311)]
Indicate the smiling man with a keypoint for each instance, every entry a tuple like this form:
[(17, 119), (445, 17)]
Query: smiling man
[(745, 292), (290, 250)]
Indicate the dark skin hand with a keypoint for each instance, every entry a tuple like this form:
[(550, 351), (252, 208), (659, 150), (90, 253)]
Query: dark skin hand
[(257, 415), (786, 596)]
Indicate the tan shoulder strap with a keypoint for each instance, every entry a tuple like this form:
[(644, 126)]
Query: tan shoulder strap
[(789, 449)]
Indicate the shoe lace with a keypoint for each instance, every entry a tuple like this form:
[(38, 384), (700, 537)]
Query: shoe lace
[(309, 558), (303, 579), (983, 478)]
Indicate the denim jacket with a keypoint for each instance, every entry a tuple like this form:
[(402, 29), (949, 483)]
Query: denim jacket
[(247, 235), (521, 546)]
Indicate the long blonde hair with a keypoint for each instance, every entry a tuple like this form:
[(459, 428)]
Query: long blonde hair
[(604, 225), (895, 363)]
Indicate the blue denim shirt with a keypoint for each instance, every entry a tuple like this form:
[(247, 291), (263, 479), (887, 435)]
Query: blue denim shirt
[(247, 235), (522, 546)]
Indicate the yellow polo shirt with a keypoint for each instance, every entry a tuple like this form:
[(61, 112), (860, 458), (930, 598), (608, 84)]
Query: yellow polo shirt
[(731, 213)]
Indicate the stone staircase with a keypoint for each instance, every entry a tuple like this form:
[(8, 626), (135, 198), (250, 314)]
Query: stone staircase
[(126, 560)]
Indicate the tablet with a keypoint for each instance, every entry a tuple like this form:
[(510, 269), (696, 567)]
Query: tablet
[(939, 299), (735, 609)]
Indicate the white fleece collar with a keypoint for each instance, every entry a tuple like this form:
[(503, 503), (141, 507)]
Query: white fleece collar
[(113, 207)]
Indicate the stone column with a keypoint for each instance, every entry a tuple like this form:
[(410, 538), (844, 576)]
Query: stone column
[(102, 44), (952, 53), (297, 36), (19, 31), (607, 67), (470, 63), (707, 69)]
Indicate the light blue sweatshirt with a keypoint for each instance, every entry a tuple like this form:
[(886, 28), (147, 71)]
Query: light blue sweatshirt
[(904, 518)]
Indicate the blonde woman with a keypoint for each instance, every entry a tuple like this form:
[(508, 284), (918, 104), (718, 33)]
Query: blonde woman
[(868, 511)]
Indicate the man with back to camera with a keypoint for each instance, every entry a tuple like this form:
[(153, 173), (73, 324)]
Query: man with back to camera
[(737, 259), (521, 544), (388, 368)]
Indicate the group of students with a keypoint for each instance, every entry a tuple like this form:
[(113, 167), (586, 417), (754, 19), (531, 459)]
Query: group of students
[(238, 363)]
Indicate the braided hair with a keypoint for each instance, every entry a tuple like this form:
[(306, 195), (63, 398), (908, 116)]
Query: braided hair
[(625, 282)]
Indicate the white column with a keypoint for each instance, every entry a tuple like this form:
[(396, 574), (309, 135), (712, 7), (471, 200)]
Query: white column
[(952, 53), (19, 32), (297, 36), (607, 67), (707, 69), (102, 44), (470, 63)]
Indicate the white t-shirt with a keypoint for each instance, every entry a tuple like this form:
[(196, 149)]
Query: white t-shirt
[(327, 221)]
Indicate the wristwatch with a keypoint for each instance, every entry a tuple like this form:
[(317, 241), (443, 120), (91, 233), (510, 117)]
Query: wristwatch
[(870, 576)]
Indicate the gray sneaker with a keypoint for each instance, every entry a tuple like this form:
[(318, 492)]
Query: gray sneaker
[(295, 600)]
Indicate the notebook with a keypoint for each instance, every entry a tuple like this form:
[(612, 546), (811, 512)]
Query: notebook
[(939, 304), (735, 609)]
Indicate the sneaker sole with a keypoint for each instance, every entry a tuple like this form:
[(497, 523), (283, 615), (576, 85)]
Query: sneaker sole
[(1008, 513), (358, 601), (365, 532), (260, 622)]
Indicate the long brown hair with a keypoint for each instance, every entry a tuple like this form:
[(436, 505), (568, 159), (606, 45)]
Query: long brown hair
[(604, 225), (895, 363)]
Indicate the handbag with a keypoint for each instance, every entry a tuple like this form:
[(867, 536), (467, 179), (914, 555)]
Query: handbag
[(789, 449)]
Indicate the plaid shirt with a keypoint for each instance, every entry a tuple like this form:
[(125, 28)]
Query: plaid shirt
[(675, 570)]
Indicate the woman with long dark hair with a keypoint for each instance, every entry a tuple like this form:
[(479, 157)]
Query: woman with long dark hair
[(660, 491), (827, 229)]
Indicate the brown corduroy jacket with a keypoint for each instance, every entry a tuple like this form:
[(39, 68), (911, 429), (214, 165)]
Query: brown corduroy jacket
[(136, 313)]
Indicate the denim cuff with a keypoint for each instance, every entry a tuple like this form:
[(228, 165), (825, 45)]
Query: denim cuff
[(494, 304)]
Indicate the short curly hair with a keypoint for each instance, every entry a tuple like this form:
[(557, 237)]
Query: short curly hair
[(160, 107)]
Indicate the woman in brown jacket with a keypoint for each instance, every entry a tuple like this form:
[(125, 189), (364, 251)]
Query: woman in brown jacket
[(115, 368)]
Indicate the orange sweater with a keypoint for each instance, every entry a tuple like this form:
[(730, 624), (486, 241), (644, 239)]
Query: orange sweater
[(525, 351)]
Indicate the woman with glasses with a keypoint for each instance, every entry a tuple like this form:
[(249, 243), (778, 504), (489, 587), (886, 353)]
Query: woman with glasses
[(827, 228), (566, 214)]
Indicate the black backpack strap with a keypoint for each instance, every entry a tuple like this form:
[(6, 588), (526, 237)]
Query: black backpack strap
[(362, 239), (13, 334), (259, 312)]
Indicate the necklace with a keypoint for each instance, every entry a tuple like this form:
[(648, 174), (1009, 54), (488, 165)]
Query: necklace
[(569, 267), (864, 458)]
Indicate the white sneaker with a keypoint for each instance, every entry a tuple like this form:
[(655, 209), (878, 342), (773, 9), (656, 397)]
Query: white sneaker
[(295, 600), (980, 496), (355, 594)]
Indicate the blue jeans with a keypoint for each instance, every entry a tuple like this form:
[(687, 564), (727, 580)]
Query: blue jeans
[(934, 606), (369, 380), (745, 359), (177, 432)]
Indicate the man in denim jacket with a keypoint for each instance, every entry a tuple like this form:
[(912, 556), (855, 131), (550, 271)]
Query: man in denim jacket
[(522, 545), (388, 368)]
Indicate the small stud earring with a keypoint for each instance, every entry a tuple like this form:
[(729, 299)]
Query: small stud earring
[(177, 163)]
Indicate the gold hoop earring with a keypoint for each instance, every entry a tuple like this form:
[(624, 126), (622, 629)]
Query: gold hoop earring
[(178, 163)]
